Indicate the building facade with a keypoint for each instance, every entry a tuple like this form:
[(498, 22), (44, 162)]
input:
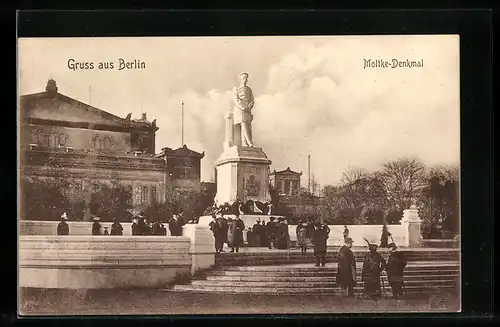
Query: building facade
[(296, 203), (88, 148)]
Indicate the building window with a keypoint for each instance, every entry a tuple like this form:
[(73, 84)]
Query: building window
[(130, 195), (95, 187), (62, 139), (107, 143), (287, 186), (295, 187), (46, 140), (154, 198), (145, 198), (95, 142)]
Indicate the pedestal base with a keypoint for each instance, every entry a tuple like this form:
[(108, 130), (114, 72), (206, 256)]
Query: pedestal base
[(243, 174)]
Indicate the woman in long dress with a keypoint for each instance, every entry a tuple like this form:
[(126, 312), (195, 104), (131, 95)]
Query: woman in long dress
[(302, 232)]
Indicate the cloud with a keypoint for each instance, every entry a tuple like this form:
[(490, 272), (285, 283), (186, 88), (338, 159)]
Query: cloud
[(339, 115)]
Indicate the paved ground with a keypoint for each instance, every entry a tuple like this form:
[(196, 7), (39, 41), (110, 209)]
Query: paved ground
[(142, 302)]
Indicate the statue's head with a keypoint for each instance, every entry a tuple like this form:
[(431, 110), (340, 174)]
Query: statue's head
[(243, 77)]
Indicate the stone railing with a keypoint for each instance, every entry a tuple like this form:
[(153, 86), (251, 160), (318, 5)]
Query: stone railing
[(90, 262)]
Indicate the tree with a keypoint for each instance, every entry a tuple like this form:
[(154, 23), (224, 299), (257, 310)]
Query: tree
[(403, 181), (439, 202), (42, 199), (111, 202)]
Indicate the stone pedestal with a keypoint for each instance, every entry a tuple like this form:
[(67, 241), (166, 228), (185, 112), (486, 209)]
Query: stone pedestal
[(242, 173), (202, 248), (411, 223)]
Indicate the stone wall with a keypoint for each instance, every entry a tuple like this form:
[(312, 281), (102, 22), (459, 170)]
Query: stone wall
[(30, 227), (91, 262)]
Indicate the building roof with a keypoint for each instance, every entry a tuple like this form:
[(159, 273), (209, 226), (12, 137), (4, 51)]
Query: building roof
[(286, 171), (53, 108), (183, 151)]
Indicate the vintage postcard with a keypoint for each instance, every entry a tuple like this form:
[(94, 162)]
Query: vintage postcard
[(239, 175)]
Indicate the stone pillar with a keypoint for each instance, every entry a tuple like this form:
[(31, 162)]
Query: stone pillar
[(87, 193), (411, 223), (202, 247), (229, 131)]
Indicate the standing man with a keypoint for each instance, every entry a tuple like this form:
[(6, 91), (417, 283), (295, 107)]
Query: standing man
[(282, 235), (319, 239), (235, 235), (395, 267), (219, 228), (96, 226), (244, 102), (175, 226), (157, 228), (62, 227), (135, 227), (373, 265), (257, 233), (116, 227), (271, 233), (346, 269)]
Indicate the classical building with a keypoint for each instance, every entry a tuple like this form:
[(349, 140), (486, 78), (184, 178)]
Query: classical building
[(298, 204), (63, 138)]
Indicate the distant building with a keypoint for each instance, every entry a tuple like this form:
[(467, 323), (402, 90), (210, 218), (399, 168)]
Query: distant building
[(292, 198), (87, 147)]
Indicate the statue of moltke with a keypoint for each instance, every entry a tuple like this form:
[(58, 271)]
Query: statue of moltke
[(242, 115)]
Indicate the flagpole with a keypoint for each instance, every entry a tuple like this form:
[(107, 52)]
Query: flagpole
[(182, 124)]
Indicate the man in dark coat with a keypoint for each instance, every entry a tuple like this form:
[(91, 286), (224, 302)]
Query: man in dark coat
[(319, 239), (395, 267), (271, 233), (219, 228), (175, 226), (62, 227), (384, 239), (96, 226), (116, 228), (257, 234), (346, 269), (235, 233), (158, 228), (282, 235), (144, 228), (373, 265), (135, 226)]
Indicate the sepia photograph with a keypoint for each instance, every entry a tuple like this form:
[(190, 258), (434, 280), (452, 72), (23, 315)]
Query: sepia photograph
[(239, 175)]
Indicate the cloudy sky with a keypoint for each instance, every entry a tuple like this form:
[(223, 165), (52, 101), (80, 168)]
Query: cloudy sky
[(313, 94)]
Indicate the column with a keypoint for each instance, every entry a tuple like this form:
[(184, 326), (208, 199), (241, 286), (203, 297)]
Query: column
[(411, 223), (229, 130)]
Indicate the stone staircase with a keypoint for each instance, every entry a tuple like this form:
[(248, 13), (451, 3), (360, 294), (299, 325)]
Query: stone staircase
[(264, 256), (422, 277)]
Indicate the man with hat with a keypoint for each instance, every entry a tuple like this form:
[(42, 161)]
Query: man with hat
[(135, 226), (116, 227), (219, 228), (271, 233), (395, 267), (282, 235), (257, 233), (373, 265), (175, 225), (62, 227), (144, 228), (96, 226), (235, 233), (320, 237), (346, 269)]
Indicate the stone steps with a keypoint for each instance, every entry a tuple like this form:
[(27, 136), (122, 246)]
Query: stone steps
[(296, 279), (420, 278), (283, 257)]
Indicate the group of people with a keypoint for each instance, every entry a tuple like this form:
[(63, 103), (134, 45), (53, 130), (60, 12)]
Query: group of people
[(140, 226), (274, 234), (228, 231), (373, 266)]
